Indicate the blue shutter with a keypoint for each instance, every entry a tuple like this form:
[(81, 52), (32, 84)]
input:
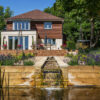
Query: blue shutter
[(27, 25), (15, 25), (45, 41), (26, 42), (18, 25), (23, 28)]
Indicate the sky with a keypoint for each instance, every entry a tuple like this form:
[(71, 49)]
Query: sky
[(22, 6)]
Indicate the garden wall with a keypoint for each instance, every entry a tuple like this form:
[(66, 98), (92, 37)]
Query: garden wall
[(82, 75), (37, 52), (17, 75)]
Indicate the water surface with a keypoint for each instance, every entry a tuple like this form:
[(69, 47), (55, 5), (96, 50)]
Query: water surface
[(50, 94)]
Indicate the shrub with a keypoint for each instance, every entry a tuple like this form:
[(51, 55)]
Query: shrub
[(7, 60), (73, 61), (64, 46), (30, 55), (90, 59), (28, 63), (69, 55), (71, 45)]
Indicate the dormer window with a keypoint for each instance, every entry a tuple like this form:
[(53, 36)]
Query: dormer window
[(21, 25), (47, 25)]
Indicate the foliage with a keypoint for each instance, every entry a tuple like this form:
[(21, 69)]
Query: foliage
[(71, 45), (64, 46), (30, 55), (70, 55), (81, 46), (81, 19), (4, 14), (88, 59), (74, 61), (28, 63), (25, 56), (7, 60)]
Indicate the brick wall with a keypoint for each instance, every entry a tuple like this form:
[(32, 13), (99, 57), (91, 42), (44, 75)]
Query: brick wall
[(9, 25), (38, 52), (55, 32)]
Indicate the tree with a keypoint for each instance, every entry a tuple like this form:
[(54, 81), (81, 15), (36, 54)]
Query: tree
[(4, 14), (8, 13), (81, 19), (2, 23), (92, 9)]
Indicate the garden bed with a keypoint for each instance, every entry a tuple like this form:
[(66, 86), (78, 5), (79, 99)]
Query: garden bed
[(22, 59)]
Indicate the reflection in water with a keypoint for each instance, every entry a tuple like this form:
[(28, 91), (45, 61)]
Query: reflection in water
[(50, 94)]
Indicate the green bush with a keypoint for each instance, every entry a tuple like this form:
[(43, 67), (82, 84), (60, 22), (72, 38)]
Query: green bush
[(71, 45), (28, 63), (69, 55), (74, 61), (7, 60), (30, 55)]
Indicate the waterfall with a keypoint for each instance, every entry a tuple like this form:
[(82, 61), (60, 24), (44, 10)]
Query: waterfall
[(51, 74)]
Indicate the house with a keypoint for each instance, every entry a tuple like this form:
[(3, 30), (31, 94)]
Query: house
[(34, 27)]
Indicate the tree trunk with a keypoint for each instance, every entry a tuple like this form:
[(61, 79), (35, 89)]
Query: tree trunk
[(92, 32)]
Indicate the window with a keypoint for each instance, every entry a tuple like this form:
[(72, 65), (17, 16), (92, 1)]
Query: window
[(15, 41), (50, 41), (21, 25), (53, 41), (48, 25), (15, 26)]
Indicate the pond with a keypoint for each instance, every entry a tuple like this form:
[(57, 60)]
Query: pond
[(50, 94)]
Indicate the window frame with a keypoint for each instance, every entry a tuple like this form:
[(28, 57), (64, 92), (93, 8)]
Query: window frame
[(49, 24), (50, 41), (24, 24)]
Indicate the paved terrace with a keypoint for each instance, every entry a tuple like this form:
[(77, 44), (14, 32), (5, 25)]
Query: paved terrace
[(40, 60)]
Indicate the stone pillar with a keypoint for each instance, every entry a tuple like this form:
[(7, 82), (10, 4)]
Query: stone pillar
[(30, 42), (7, 39), (1, 42), (23, 42)]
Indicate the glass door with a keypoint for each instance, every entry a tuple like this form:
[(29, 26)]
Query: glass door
[(26, 42), (10, 42)]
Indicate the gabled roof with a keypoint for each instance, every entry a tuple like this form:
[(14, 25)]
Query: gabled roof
[(37, 15)]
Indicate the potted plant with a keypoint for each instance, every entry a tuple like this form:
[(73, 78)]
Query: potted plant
[(41, 46), (5, 46), (19, 46)]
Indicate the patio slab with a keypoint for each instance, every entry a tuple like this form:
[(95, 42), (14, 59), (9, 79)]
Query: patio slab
[(40, 60), (60, 60)]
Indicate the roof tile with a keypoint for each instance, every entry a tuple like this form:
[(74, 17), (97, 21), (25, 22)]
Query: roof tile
[(37, 15)]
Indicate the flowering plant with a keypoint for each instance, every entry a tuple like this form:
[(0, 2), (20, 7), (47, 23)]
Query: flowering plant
[(41, 45), (64, 46), (5, 46), (19, 46)]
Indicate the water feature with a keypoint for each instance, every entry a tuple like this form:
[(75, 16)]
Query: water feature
[(50, 94), (51, 73)]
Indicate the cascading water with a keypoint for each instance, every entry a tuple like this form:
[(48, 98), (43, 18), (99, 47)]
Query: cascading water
[(51, 73)]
